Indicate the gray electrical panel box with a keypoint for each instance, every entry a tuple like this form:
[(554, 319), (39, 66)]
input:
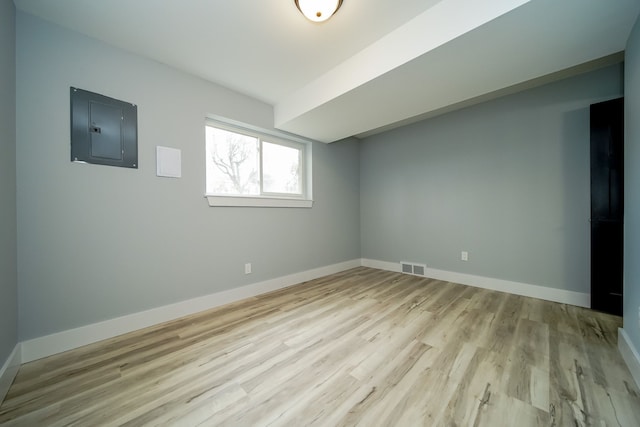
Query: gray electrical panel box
[(104, 130)]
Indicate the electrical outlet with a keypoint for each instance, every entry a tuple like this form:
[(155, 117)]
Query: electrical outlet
[(464, 256), (247, 268)]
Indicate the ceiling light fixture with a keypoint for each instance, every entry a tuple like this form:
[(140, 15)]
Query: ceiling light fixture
[(318, 10)]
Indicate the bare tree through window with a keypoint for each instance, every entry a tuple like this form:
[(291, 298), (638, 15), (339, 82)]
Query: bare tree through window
[(243, 164), (235, 160)]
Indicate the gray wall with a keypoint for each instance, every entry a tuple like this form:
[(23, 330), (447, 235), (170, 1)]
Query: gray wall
[(506, 180), (8, 275), (632, 188), (97, 242)]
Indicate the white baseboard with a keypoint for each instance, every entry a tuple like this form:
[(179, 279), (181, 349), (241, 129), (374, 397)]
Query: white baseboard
[(9, 370), (517, 288), (630, 354), (48, 345), (382, 265)]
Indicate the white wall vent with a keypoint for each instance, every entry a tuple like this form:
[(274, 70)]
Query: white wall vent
[(412, 268)]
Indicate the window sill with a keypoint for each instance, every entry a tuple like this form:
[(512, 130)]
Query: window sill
[(257, 202)]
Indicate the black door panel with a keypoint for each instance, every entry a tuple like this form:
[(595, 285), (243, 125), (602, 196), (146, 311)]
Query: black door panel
[(607, 205)]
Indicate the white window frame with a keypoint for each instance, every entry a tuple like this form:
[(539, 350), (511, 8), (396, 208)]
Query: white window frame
[(265, 199)]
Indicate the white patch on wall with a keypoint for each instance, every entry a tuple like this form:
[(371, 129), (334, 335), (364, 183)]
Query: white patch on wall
[(412, 268), (168, 162)]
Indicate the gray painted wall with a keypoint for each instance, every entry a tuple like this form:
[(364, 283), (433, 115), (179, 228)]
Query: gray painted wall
[(8, 275), (632, 186), (97, 242), (506, 180)]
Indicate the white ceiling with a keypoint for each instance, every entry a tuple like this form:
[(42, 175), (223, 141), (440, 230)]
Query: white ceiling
[(375, 64)]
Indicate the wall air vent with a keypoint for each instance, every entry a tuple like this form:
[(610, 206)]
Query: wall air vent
[(406, 267), (413, 268)]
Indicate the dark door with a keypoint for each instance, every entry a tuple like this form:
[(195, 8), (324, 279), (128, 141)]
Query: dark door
[(607, 205)]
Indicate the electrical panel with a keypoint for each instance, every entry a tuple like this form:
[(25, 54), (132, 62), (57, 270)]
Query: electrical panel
[(104, 130)]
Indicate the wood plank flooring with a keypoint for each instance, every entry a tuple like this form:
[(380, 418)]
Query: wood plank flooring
[(363, 347)]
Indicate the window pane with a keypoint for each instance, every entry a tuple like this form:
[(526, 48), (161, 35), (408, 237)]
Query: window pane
[(281, 169), (233, 165)]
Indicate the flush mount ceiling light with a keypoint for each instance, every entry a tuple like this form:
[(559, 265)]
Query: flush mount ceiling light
[(318, 10)]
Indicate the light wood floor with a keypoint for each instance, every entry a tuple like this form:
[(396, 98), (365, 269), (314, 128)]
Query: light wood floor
[(364, 347)]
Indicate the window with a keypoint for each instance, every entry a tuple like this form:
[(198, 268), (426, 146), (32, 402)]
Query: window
[(250, 168)]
